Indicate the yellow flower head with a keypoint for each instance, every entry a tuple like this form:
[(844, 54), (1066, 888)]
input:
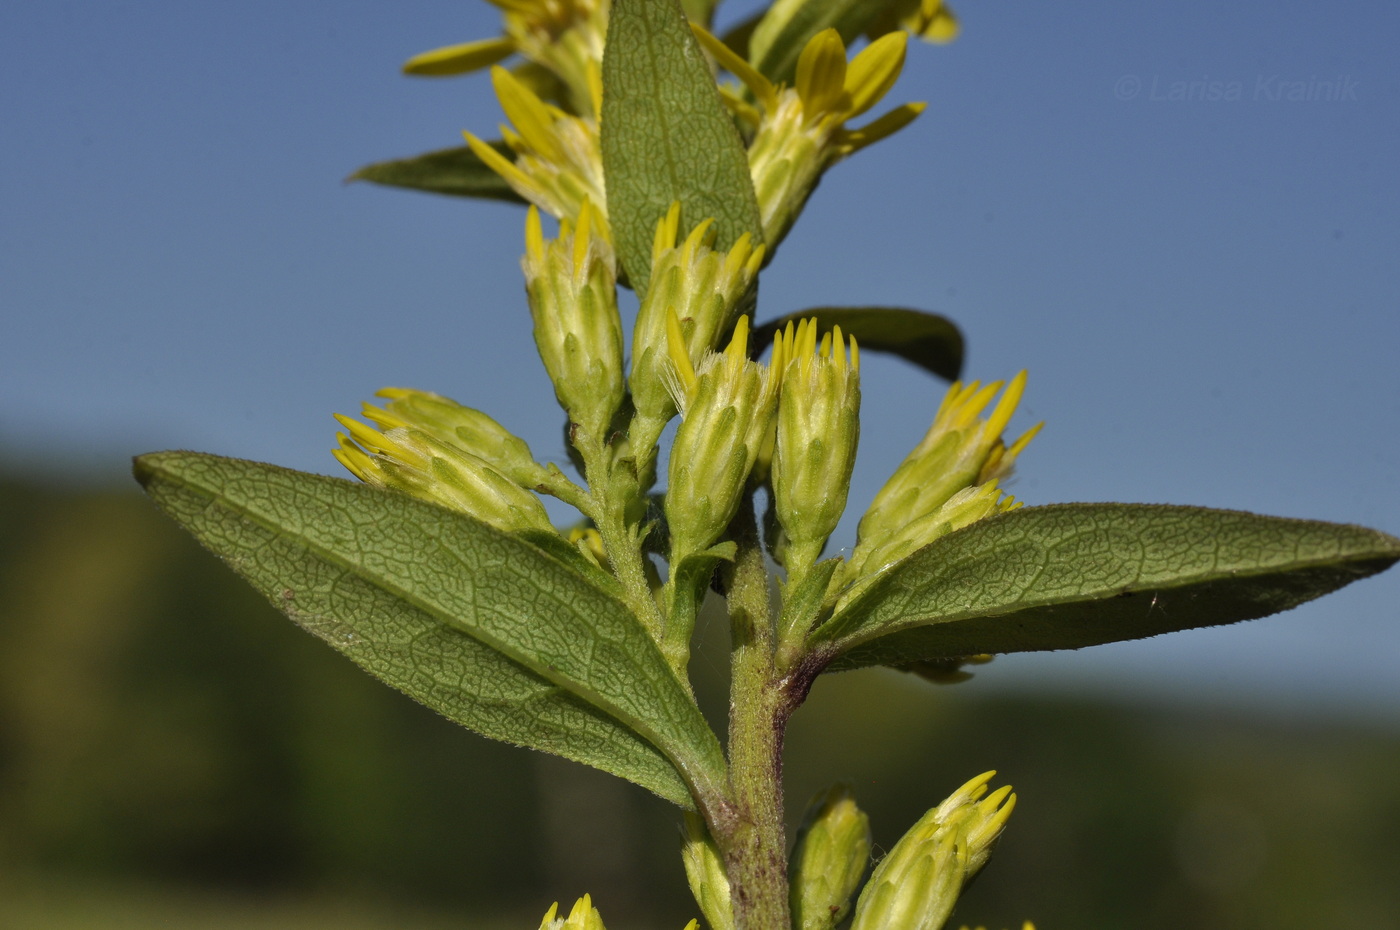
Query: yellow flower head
[(558, 162), (931, 20), (564, 36), (817, 431), (571, 285), (453, 456), (829, 858), (800, 131), (727, 404), (703, 287), (584, 916), (950, 480), (919, 882)]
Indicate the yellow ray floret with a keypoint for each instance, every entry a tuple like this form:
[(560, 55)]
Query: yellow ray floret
[(461, 58)]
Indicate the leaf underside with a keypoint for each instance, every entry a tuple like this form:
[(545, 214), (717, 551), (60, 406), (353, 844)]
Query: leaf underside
[(928, 340), (456, 171), (1073, 575), (476, 624), (666, 136)]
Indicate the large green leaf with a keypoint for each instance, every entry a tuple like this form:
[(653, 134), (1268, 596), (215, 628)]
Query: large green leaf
[(785, 29), (448, 171), (928, 340), (477, 624), (1073, 575), (666, 136)]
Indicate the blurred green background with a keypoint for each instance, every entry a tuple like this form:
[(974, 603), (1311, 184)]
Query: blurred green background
[(174, 753)]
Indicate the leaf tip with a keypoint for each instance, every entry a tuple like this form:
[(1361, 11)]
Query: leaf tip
[(144, 467)]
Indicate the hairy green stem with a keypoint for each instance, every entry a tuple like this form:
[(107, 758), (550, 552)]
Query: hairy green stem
[(752, 840)]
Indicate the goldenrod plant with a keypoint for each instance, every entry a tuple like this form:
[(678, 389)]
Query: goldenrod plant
[(439, 570)]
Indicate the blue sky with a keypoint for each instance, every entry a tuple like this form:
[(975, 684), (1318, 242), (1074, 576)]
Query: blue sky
[(1199, 272)]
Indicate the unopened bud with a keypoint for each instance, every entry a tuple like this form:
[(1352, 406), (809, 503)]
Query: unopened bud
[(948, 481), (803, 131), (727, 406), (469, 430), (916, 886), (829, 860), (704, 870), (571, 283), (818, 428), (963, 509), (584, 916), (558, 161), (703, 287), (420, 464)]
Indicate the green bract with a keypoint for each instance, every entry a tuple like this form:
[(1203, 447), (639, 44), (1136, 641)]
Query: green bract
[(440, 570)]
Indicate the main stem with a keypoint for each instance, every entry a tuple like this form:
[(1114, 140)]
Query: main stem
[(752, 838)]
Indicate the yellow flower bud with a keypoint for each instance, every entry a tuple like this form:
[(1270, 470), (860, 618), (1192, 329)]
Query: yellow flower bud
[(468, 429), (558, 161), (427, 467), (572, 289), (584, 916), (916, 886), (801, 131), (829, 860), (703, 287), (727, 405), (704, 870), (948, 481), (564, 36), (818, 429)]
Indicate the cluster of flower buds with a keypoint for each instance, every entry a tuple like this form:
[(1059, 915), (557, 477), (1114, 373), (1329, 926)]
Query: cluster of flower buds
[(829, 859), (558, 161), (950, 480), (703, 287), (563, 36), (799, 132), (727, 405), (572, 287), (437, 450), (818, 429), (917, 884)]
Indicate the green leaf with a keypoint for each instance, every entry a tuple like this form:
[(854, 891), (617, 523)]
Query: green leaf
[(803, 602), (477, 624), (690, 582), (1074, 575), (666, 136), (928, 340), (448, 171), (784, 31)]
